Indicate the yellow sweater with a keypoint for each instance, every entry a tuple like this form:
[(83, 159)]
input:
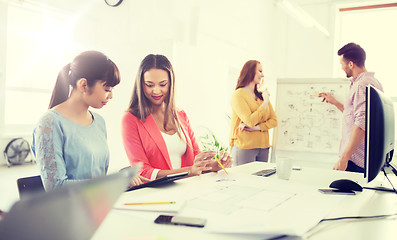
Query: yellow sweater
[(250, 111)]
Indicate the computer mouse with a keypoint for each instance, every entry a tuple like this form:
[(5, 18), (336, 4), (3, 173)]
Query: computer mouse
[(346, 185)]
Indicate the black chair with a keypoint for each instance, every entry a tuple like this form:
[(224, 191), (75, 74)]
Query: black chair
[(28, 186)]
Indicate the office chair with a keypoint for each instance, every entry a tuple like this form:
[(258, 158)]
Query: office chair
[(28, 186)]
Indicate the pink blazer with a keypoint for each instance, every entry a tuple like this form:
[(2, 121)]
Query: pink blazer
[(144, 143)]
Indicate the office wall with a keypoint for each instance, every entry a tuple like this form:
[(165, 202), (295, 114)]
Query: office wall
[(3, 47), (309, 52), (207, 43)]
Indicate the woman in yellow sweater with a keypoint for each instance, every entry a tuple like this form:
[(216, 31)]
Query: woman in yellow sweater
[(252, 117)]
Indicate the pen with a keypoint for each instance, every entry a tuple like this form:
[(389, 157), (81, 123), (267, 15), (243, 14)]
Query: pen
[(148, 203), (220, 164)]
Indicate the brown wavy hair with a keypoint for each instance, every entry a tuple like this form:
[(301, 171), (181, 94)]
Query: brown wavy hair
[(247, 75)]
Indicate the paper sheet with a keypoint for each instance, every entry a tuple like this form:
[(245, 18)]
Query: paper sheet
[(249, 204), (242, 204)]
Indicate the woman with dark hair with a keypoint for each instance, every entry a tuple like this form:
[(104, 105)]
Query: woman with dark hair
[(158, 134), (70, 140), (252, 117)]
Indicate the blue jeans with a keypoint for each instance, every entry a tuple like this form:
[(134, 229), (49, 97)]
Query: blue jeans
[(352, 167)]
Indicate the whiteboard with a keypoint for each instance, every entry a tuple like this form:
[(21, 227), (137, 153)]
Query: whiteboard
[(306, 125)]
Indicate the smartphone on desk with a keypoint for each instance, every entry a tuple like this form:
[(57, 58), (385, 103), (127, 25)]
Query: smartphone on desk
[(177, 220), (336, 191), (266, 172)]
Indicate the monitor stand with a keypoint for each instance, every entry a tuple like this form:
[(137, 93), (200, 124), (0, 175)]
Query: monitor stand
[(388, 169), (383, 189)]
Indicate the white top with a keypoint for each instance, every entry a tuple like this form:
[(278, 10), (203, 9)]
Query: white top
[(176, 148)]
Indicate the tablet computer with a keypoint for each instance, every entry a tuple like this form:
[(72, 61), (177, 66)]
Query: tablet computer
[(160, 181)]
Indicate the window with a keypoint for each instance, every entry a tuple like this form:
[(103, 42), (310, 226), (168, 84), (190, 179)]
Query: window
[(40, 40), (373, 28)]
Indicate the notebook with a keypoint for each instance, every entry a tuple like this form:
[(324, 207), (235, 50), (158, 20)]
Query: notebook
[(73, 211)]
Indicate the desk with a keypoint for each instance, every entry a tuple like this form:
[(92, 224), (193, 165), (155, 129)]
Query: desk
[(120, 225)]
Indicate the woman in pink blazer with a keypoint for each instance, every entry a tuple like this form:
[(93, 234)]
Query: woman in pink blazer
[(158, 134)]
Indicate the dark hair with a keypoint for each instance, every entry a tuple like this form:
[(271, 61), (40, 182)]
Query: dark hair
[(91, 65), (140, 106), (247, 75), (353, 52)]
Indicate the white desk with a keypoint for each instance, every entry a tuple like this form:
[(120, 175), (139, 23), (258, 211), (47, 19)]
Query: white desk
[(122, 225)]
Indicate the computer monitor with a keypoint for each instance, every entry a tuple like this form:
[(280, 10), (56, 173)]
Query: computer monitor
[(379, 138)]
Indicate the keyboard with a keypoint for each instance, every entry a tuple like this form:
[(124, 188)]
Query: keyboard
[(266, 172)]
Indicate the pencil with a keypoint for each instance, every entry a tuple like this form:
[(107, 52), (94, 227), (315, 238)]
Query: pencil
[(315, 95), (220, 164), (148, 203)]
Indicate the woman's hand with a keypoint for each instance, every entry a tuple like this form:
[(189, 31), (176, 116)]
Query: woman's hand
[(244, 127), (224, 158), (201, 163), (266, 95), (138, 180)]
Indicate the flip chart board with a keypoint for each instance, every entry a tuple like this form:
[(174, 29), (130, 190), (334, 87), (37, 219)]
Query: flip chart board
[(306, 124)]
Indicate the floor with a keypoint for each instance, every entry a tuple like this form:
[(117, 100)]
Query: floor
[(8, 182)]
